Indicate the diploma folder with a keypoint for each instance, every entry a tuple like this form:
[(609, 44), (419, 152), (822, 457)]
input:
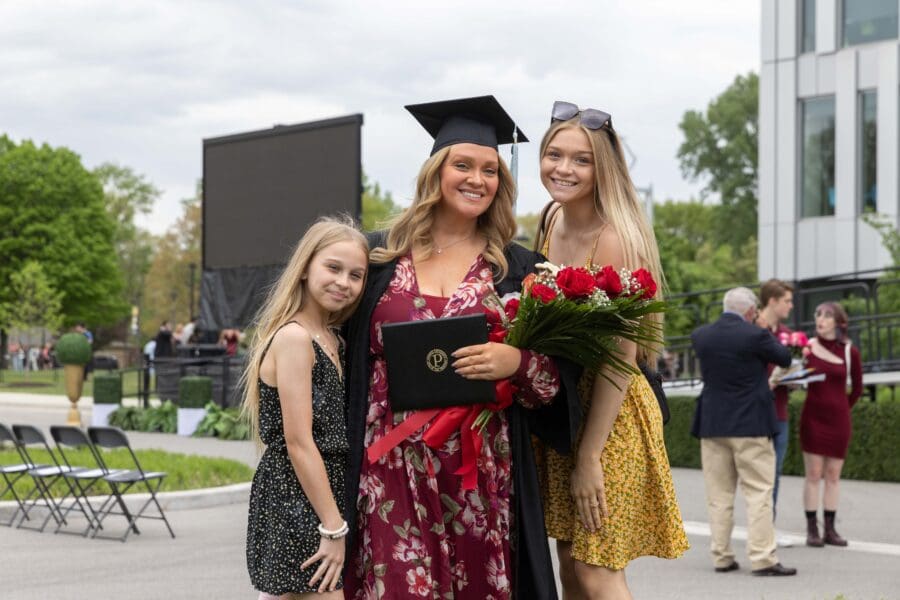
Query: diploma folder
[(418, 357)]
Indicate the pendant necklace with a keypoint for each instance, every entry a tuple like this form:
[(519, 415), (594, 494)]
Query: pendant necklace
[(439, 249)]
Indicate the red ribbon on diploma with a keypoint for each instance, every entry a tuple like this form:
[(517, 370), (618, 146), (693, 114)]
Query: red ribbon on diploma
[(441, 425)]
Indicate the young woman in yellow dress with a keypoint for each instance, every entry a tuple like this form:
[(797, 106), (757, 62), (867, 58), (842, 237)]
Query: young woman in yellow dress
[(611, 499)]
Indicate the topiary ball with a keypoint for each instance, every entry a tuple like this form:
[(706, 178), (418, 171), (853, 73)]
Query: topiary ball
[(73, 349)]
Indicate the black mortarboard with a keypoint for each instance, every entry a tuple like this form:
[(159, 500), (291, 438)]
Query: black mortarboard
[(480, 120)]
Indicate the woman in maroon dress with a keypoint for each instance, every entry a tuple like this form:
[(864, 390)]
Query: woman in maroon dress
[(416, 530), (825, 421)]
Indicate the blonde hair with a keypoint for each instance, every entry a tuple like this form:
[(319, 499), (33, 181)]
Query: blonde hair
[(617, 203), (413, 226), (286, 296)]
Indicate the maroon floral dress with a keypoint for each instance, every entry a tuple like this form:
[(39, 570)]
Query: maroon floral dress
[(421, 535)]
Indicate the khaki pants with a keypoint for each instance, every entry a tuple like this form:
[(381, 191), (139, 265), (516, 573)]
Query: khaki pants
[(750, 461)]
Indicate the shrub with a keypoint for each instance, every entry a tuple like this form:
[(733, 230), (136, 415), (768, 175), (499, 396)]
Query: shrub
[(107, 388), (73, 349), (194, 391), (127, 417), (225, 424), (873, 446), (163, 418)]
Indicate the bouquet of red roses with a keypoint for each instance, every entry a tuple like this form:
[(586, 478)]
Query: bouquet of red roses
[(578, 314)]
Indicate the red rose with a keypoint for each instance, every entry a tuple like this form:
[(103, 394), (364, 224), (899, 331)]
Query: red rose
[(799, 339), (645, 280), (543, 293), (497, 334), (609, 281), (512, 308), (493, 317), (575, 282)]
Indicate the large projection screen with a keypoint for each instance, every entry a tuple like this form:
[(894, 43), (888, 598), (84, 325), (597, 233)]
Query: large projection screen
[(261, 189)]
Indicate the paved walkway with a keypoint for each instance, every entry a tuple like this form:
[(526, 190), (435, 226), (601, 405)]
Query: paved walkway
[(206, 560)]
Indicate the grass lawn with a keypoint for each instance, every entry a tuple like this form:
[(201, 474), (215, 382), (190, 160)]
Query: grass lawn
[(52, 381), (185, 472)]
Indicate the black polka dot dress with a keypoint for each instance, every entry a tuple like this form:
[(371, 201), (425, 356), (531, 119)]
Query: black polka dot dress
[(282, 528)]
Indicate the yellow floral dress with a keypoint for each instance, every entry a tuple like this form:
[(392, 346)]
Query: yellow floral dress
[(644, 518)]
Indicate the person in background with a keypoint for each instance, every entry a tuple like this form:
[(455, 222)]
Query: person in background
[(777, 300), (187, 336), (178, 335), (229, 338), (825, 425), (735, 421), (165, 346)]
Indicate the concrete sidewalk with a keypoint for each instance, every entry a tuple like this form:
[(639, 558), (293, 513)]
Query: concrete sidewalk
[(207, 557)]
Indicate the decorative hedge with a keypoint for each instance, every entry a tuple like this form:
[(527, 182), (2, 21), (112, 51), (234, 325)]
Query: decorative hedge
[(107, 388), (194, 391), (73, 349), (873, 453)]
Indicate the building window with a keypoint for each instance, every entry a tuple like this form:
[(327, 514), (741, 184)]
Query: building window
[(868, 21), (808, 26), (868, 131), (817, 178)]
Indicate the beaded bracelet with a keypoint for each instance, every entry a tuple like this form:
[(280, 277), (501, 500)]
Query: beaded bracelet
[(337, 534)]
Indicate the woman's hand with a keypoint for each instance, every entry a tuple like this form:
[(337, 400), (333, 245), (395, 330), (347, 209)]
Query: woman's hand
[(490, 361), (331, 553), (589, 492)]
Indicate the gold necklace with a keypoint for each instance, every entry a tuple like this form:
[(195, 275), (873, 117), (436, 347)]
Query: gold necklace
[(439, 249), (322, 344)]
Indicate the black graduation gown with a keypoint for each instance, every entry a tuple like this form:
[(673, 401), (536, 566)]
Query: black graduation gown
[(558, 424)]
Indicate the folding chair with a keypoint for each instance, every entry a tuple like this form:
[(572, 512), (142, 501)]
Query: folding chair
[(44, 476), (81, 479), (13, 473), (113, 437)]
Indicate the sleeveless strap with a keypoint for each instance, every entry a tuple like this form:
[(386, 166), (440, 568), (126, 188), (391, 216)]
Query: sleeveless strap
[(545, 250), (272, 339)]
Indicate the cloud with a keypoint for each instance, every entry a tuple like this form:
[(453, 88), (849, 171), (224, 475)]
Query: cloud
[(142, 83)]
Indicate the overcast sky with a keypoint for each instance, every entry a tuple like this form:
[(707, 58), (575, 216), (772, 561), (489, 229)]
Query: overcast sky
[(142, 83)]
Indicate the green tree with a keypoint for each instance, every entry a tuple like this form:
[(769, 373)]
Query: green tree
[(52, 212), (167, 288), (693, 260), (39, 305), (377, 207), (129, 195), (720, 147)]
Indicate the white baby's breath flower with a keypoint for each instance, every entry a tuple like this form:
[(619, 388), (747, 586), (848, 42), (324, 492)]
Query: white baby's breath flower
[(548, 267), (600, 298)]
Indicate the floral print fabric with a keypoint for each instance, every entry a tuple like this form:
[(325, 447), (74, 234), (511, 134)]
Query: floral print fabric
[(420, 534)]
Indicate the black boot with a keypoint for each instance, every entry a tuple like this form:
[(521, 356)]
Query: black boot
[(831, 535), (812, 531)]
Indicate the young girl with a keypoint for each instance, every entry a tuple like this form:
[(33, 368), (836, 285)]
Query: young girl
[(612, 500), (295, 403)]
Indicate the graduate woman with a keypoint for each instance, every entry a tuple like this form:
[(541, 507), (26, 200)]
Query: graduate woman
[(416, 530)]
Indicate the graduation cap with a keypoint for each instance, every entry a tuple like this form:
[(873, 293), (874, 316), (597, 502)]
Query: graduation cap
[(479, 120)]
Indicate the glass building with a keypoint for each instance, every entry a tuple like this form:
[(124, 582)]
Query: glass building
[(829, 135)]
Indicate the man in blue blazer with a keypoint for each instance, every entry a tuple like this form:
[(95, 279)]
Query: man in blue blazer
[(735, 421)]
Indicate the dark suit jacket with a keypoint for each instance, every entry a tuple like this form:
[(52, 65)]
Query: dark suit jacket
[(736, 400), (533, 570)]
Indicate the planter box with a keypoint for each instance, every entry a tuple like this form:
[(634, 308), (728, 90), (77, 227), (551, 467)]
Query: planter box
[(100, 414), (188, 419)]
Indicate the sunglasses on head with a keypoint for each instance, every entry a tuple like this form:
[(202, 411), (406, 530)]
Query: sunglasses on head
[(590, 117)]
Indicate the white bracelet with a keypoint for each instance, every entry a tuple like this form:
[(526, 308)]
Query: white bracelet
[(338, 533)]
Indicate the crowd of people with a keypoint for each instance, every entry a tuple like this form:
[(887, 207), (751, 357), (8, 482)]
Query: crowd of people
[(742, 418)]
